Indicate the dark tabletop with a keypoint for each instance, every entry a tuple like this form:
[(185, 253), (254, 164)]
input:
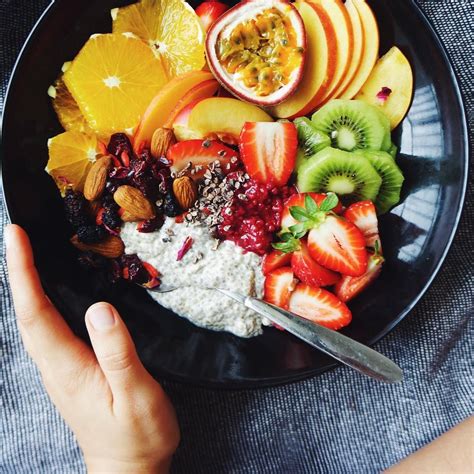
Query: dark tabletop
[(336, 423)]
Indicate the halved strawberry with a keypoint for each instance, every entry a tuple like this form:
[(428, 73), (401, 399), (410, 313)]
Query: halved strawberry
[(309, 271), (209, 12), (268, 150), (274, 260), (278, 287), (338, 245), (320, 306), (364, 216), (349, 287), (199, 153), (299, 200)]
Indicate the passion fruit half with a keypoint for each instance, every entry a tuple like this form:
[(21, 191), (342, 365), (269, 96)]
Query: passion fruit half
[(257, 50)]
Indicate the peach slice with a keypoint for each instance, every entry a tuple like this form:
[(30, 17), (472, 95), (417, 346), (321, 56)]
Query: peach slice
[(345, 42), (392, 71), (224, 117), (358, 47), (320, 62), (370, 52), (181, 124), (203, 90), (162, 105)]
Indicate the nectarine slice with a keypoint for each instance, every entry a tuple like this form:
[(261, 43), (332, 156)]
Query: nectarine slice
[(358, 47), (390, 86), (370, 52), (203, 90), (345, 42), (222, 116), (320, 62), (163, 104)]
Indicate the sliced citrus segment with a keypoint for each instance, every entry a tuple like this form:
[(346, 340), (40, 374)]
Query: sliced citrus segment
[(113, 79), (70, 156), (171, 27), (66, 108)]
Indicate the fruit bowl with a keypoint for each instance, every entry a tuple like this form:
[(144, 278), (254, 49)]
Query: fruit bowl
[(416, 233)]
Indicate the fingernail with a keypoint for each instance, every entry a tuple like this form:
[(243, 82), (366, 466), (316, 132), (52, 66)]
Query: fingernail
[(101, 317)]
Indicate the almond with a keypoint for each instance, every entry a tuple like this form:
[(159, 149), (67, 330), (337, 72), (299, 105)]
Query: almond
[(185, 191), (162, 139), (96, 178), (134, 202), (127, 217), (111, 247)]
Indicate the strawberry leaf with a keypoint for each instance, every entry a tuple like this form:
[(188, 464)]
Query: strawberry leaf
[(310, 204), (288, 245), (299, 213), (298, 230), (329, 203)]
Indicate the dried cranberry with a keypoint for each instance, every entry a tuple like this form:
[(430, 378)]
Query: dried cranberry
[(151, 224), (119, 142), (121, 173), (133, 269)]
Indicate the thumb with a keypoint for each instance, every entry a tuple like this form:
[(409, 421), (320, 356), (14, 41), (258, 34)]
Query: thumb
[(114, 349)]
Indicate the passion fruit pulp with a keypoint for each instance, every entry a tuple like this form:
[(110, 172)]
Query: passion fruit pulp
[(257, 50)]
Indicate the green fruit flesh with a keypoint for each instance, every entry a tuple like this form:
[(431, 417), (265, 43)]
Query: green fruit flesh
[(353, 124), (392, 178), (310, 140), (392, 151), (340, 172)]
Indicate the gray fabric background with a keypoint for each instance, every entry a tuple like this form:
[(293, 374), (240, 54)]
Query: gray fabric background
[(336, 423)]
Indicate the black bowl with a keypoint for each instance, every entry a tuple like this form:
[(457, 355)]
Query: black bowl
[(416, 234)]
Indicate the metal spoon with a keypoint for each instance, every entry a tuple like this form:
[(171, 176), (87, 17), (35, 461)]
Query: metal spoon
[(351, 353)]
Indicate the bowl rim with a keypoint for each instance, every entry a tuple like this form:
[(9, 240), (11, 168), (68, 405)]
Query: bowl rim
[(309, 373)]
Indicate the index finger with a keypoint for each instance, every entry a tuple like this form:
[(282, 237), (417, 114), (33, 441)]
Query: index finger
[(46, 336)]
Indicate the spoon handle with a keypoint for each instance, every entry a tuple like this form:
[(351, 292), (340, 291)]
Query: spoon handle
[(340, 347)]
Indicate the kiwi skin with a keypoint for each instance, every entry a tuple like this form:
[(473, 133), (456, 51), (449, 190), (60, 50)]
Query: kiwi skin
[(350, 176), (392, 178), (353, 124)]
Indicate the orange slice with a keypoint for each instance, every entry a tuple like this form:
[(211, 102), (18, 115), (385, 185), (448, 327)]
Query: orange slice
[(171, 27), (66, 108), (113, 79), (71, 154)]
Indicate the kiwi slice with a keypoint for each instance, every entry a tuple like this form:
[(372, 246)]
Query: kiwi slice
[(353, 124), (310, 140), (392, 178), (343, 173), (392, 151)]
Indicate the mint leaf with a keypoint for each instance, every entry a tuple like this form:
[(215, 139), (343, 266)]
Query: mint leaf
[(310, 204), (329, 203), (299, 213), (298, 230)]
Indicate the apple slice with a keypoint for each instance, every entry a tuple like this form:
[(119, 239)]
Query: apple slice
[(345, 42), (358, 47), (163, 104), (203, 90), (320, 62), (370, 52), (390, 86), (181, 124), (224, 118)]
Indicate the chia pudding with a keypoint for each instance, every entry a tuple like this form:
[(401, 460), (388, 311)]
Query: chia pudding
[(208, 263)]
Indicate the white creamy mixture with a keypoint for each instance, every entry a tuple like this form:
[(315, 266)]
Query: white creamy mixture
[(202, 267)]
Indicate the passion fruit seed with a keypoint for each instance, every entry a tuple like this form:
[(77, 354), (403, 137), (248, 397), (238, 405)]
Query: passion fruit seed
[(262, 51)]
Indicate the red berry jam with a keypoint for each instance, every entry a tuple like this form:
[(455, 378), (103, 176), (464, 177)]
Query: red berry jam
[(254, 216)]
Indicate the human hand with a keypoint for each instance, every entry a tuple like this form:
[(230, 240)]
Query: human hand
[(122, 419)]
